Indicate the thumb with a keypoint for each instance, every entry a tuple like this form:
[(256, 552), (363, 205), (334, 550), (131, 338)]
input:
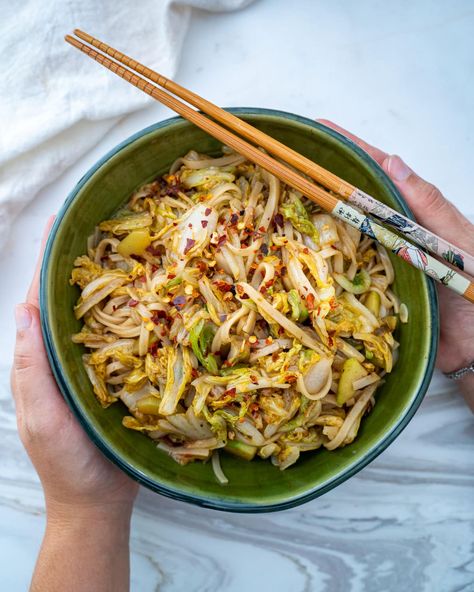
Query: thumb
[(430, 207), (32, 377)]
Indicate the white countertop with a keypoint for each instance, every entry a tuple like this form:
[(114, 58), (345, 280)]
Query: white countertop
[(401, 75)]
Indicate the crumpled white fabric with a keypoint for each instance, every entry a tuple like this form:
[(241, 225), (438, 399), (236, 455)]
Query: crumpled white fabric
[(55, 103)]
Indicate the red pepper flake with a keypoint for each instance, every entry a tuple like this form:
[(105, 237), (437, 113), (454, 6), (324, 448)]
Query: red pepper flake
[(194, 373), (204, 223), (189, 245), (154, 268), (156, 251), (310, 302), (142, 278), (190, 225), (179, 302), (153, 348), (278, 219), (158, 315), (262, 229), (306, 251), (229, 393), (201, 266), (171, 276), (290, 378), (223, 286), (207, 211), (254, 379), (240, 290), (221, 240), (132, 302)]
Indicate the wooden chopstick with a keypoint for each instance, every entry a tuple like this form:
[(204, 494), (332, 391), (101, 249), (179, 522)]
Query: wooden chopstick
[(352, 194), (398, 245)]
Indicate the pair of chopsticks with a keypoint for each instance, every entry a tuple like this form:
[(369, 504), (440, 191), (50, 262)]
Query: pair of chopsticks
[(147, 80)]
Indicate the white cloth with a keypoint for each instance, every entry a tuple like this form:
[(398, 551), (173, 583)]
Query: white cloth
[(55, 104)]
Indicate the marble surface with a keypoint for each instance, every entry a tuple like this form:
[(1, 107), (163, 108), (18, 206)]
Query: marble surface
[(400, 74)]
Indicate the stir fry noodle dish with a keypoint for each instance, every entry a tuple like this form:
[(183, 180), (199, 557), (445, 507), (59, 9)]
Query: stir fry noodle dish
[(230, 313)]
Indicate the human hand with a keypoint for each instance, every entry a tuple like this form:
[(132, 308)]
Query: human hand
[(88, 500), (432, 210), (76, 477)]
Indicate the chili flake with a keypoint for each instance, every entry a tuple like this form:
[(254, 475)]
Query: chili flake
[(189, 245)]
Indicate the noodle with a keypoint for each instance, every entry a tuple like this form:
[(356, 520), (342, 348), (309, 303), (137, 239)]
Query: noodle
[(225, 310)]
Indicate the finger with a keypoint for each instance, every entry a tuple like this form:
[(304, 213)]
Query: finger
[(377, 154), (429, 205), (33, 292)]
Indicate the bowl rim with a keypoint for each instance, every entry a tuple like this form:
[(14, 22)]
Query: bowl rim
[(196, 499)]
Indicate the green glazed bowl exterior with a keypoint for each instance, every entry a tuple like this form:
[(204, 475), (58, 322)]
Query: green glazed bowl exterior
[(256, 486)]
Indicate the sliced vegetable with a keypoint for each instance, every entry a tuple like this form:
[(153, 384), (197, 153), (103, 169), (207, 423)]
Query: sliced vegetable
[(178, 374), (237, 369), (296, 213), (327, 229), (149, 405), (299, 312), (240, 449), (200, 338), (359, 285), (127, 223), (373, 303), (135, 243), (85, 271), (206, 178), (351, 371), (172, 283), (239, 350)]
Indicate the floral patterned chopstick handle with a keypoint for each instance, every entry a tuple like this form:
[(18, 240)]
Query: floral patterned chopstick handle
[(404, 249), (414, 231)]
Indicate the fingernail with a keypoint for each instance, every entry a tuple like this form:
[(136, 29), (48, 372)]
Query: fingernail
[(22, 317), (398, 169)]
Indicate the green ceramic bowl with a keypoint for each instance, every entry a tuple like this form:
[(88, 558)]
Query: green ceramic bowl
[(256, 486)]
